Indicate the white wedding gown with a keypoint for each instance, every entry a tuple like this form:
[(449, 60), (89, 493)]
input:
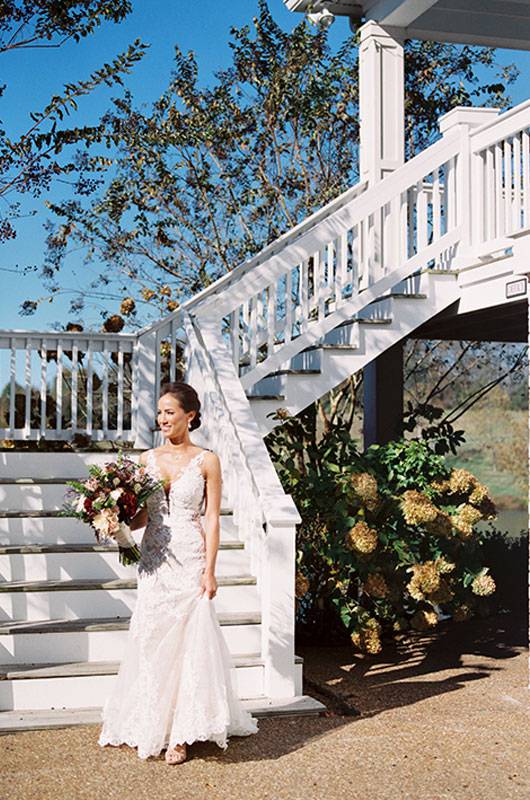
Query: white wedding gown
[(174, 684)]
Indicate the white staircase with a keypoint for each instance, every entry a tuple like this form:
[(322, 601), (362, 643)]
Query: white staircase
[(280, 330), (65, 603)]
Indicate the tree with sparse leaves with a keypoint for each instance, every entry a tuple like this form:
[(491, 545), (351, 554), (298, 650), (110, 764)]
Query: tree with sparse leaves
[(208, 176), (30, 162)]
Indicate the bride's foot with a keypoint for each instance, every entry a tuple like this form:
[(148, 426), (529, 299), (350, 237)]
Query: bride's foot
[(176, 755)]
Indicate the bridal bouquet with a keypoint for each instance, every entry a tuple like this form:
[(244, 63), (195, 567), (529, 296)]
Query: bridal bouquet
[(108, 500)]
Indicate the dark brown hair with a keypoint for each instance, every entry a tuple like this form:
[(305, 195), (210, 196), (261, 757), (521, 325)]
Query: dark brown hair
[(187, 398)]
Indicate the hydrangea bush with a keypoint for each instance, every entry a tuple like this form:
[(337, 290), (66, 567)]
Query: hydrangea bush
[(388, 537)]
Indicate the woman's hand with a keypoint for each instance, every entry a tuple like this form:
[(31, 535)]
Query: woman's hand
[(208, 584)]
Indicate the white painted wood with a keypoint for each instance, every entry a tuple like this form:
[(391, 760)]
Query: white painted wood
[(98, 645)]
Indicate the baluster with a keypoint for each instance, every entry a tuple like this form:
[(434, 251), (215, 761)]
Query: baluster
[(89, 389), (158, 372), (234, 337), (411, 222), (331, 271), (341, 254), (436, 206), (525, 146), (119, 398), (59, 389), (245, 311), (499, 210), (517, 183), (173, 353), (253, 332), (73, 390), (43, 366), (507, 157), (288, 306), (319, 284), (260, 320), (13, 387), (362, 260), (421, 216), (105, 398), (403, 244), (489, 233), (304, 294), (271, 318), (27, 381), (451, 193)]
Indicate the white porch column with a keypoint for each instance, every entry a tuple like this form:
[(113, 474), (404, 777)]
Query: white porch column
[(381, 102)]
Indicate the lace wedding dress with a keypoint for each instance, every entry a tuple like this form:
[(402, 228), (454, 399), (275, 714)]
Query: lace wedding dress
[(174, 684)]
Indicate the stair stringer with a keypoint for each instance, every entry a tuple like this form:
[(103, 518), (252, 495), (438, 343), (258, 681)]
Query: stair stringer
[(335, 365)]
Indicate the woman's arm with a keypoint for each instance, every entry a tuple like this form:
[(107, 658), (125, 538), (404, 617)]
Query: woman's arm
[(212, 473), (140, 518)]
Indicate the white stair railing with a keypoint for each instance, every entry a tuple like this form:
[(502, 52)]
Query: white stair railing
[(500, 175), (406, 222), (265, 515)]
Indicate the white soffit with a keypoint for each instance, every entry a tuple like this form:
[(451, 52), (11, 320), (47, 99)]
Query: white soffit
[(495, 23)]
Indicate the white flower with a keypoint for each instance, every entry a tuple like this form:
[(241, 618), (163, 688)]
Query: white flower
[(80, 504), (116, 494)]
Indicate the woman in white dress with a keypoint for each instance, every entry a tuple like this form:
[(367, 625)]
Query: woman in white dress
[(174, 683)]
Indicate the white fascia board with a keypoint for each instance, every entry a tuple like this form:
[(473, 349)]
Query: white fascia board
[(398, 13)]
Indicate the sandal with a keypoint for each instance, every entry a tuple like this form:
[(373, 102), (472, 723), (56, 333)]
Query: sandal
[(176, 755)]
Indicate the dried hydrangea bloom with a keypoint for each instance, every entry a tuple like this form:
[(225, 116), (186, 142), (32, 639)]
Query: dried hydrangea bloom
[(462, 612), (127, 306), (365, 487), (440, 486), (368, 638), (443, 594), (376, 586), (462, 481), (361, 538), (483, 585), (442, 525), (301, 585), (282, 413), (417, 508), (414, 588), (423, 620), (443, 566), (426, 576), (466, 517)]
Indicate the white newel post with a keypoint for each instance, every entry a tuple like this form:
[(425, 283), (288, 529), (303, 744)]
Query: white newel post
[(381, 102), (278, 609), (145, 390)]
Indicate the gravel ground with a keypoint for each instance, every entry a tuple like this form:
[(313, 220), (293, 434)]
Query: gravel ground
[(440, 717)]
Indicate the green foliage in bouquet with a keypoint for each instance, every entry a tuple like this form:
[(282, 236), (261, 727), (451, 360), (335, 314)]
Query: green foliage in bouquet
[(388, 536)]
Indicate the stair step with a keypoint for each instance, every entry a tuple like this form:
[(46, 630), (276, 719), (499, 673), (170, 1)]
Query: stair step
[(14, 549), (95, 583), (308, 371), (36, 481), (14, 721), (108, 623), (58, 513), (72, 669), (266, 396)]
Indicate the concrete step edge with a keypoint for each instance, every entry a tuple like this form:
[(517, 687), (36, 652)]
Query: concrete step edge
[(15, 721)]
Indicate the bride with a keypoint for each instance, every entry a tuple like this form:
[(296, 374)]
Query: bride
[(174, 683)]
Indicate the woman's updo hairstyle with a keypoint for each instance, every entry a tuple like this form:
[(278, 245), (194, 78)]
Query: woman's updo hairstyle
[(187, 398)]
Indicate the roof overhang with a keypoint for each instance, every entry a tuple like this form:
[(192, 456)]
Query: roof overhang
[(495, 23)]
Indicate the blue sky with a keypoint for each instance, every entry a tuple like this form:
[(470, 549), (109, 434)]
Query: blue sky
[(32, 76)]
